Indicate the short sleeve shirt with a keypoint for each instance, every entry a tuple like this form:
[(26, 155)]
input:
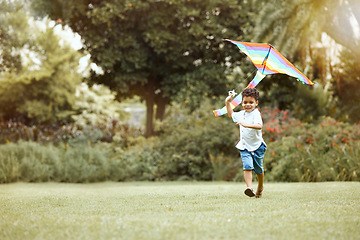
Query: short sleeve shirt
[(250, 139)]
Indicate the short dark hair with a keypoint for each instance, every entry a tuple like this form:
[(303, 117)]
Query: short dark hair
[(250, 92)]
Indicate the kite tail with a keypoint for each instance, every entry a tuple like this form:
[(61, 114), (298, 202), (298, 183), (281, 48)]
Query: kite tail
[(234, 103), (258, 77), (237, 100)]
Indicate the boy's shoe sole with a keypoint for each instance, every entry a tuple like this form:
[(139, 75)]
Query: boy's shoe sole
[(249, 192)]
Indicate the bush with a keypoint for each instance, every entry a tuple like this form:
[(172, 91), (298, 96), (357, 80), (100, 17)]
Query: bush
[(188, 141), (194, 146), (139, 163), (328, 151), (85, 164), (28, 162), (112, 129), (33, 162)]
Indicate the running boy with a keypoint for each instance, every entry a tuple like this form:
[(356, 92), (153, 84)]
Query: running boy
[(251, 145)]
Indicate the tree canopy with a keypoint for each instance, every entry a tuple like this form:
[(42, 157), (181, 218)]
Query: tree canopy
[(295, 25), (298, 28), (157, 48), (38, 75)]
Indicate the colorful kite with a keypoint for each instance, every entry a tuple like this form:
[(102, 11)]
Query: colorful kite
[(268, 61)]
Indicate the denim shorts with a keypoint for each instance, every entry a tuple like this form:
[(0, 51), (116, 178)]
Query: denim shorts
[(253, 160)]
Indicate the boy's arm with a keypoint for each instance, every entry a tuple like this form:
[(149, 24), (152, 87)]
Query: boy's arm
[(258, 123), (256, 126), (228, 107)]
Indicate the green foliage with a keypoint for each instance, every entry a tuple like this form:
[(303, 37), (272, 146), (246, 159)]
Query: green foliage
[(138, 163), (13, 28), (225, 168), (83, 163), (346, 87), (42, 89), (311, 153), (307, 103), (190, 146), (157, 48), (311, 103), (29, 162), (306, 32), (194, 146), (188, 141), (112, 130), (33, 162), (97, 105), (296, 25)]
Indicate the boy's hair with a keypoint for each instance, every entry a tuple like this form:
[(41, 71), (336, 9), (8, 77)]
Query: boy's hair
[(250, 92)]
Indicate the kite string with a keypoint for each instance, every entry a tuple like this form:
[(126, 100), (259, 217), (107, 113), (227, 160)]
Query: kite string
[(250, 75)]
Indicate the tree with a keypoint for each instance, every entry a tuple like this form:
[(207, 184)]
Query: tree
[(295, 25), (156, 48), (347, 83), (298, 29), (10, 60), (39, 75)]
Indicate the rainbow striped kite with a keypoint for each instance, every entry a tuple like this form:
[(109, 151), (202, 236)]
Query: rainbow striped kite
[(268, 61)]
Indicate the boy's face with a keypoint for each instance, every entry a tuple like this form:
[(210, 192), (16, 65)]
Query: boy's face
[(249, 103)]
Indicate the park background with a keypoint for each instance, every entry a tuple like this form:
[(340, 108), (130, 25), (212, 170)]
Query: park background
[(122, 90)]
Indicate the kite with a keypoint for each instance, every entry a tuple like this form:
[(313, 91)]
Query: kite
[(268, 61)]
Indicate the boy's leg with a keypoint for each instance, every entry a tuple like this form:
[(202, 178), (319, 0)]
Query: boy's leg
[(248, 178), (260, 187), (258, 168), (248, 166), (260, 178)]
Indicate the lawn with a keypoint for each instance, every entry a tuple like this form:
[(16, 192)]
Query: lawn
[(179, 210)]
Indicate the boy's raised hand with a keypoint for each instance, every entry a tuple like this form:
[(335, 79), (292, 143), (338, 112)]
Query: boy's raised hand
[(228, 99)]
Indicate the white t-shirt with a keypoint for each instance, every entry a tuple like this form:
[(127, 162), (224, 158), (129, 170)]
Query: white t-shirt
[(250, 138)]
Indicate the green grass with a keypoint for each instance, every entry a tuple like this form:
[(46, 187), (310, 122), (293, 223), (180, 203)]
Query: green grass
[(179, 211)]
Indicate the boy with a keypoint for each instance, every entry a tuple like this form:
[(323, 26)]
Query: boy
[(251, 145)]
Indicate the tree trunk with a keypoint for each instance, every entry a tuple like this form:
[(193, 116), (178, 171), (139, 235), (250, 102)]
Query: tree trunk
[(150, 99), (161, 103)]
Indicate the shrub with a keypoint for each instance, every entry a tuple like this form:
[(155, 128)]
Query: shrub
[(33, 162), (139, 163), (188, 141), (13, 131), (193, 146), (328, 151), (29, 162), (83, 163)]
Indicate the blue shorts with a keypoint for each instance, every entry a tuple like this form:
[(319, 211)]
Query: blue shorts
[(254, 160)]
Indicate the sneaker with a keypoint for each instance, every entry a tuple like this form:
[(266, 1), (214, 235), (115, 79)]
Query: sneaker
[(249, 192)]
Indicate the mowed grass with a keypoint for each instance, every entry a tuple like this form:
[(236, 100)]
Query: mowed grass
[(177, 210)]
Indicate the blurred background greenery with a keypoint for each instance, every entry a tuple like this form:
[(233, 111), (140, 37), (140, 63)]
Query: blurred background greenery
[(122, 90)]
